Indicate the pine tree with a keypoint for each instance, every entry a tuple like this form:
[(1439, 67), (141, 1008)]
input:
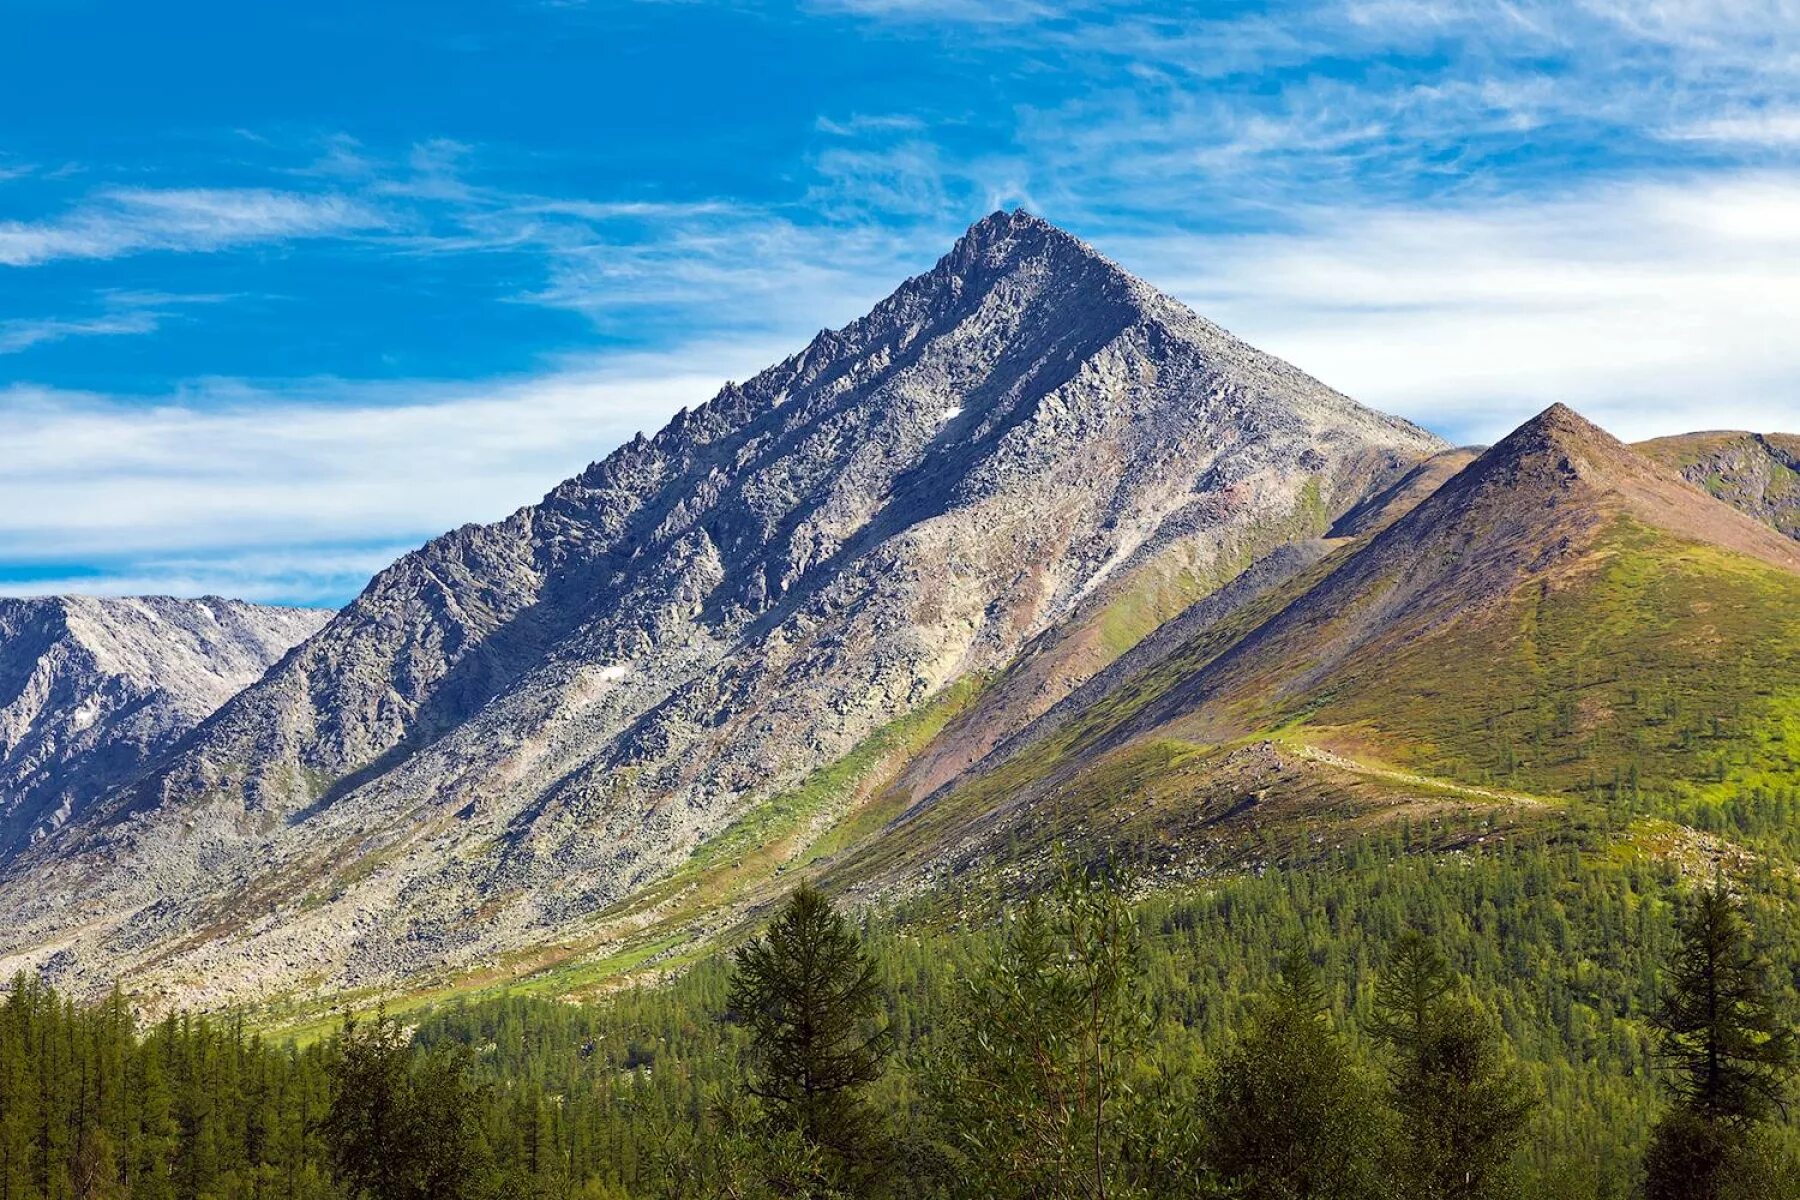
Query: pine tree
[(807, 992), (1729, 1055)]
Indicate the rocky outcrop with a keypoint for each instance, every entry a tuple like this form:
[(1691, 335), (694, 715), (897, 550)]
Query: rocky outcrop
[(91, 690), (1756, 472), (521, 723)]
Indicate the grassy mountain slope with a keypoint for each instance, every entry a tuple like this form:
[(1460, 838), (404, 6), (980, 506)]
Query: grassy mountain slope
[(1561, 637), (1563, 620)]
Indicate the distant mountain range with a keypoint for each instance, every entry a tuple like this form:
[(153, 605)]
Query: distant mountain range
[(1029, 554), (93, 691)]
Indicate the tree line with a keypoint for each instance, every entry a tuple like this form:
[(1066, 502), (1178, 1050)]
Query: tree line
[(1048, 1084), (1558, 1032)]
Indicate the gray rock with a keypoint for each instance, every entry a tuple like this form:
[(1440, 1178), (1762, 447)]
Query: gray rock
[(521, 723), (92, 690)]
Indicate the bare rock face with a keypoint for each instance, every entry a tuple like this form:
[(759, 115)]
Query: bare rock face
[(1756, 472), (521, 723), (92, 690)]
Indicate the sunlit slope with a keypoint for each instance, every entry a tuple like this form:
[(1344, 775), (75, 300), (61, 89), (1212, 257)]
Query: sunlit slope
[(1562, 620)]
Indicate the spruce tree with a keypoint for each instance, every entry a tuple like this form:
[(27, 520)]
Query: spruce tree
[(807, 992), (1728, 1054)]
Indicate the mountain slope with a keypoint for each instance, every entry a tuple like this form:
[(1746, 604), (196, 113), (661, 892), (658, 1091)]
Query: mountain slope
[(1758, 473), (522, 723), (92, 690), (1563, 618)]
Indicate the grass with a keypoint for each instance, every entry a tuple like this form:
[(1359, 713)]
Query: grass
[(1665, 666)]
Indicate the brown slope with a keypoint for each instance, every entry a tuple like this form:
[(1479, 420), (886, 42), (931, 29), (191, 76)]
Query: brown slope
[(1530, 623), (1531, 509)]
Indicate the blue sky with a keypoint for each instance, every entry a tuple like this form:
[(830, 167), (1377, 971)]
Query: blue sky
[(285, 289)]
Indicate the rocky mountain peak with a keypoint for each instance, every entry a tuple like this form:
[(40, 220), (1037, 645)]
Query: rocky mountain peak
[(1003, 239), (532, 718), (1561, 434), (1559, 476)]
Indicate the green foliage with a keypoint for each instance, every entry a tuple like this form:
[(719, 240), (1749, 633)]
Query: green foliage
[(1463, 1108), (1729, 1058), (1291, 1112), (808, 994), (1661, 680), (403, 1125), (1033, 1091), (1729, 1055), (1562, 942), (90, 1106)]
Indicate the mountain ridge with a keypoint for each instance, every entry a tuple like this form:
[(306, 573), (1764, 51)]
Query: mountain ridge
[(523, 722), (94, 689), (1756, 472)]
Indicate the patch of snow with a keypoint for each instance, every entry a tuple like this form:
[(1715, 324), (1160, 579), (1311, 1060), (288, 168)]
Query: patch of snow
[(614, 673), (950, 414)]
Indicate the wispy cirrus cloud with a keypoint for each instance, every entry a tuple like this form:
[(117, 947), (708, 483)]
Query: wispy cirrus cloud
[(120, 313), (217, 486), (1771, 127), (119, 221), (1449, 208)]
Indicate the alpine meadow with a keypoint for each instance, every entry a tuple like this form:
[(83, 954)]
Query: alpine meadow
[(1027, 742)]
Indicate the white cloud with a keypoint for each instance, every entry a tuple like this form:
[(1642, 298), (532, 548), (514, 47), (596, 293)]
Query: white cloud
[(1779, 127), (123, 312), (24, 333), (200, 489), (1653, 307), (121, 221)]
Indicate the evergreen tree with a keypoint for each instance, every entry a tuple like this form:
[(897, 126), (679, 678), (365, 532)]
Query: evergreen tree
[(366, 1124), (1288, 1113), (1463, 1106), (1728, 1053), (1047, 1035), (807, 992), (402, 1126)]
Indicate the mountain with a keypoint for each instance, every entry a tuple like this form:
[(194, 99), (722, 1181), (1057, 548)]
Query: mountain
[(1757, 472), (523, 725), (92, 690), (1563, 620)]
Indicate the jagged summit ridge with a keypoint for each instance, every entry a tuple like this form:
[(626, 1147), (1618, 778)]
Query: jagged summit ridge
[(529, 719)]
